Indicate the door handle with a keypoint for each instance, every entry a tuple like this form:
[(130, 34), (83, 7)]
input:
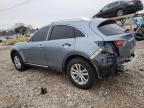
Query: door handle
[(66, 44), (40, 46)]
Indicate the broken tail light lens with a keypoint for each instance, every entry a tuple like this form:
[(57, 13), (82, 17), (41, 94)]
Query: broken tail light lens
[(119, 43)]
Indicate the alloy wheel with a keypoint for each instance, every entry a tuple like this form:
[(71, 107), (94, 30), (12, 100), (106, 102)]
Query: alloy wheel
[(79, 74), (120, 13), (17, 62)]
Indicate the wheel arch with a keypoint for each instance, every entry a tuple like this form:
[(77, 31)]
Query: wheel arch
[(120, 8), (72, 56), (13, 51)]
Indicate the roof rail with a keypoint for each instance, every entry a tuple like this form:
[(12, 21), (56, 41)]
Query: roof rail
[(72, 19)]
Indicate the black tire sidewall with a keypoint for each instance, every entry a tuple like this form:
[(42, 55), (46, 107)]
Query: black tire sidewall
[(139, 38), (121, 11), (21, 61), (90, 69)]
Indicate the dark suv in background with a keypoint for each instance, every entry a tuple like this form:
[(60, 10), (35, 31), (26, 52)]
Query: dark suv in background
[(119, 8)]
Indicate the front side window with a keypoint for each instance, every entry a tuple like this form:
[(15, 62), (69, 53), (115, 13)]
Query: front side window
[(111, 28), (62, 32), (105, 8), (41, 35)]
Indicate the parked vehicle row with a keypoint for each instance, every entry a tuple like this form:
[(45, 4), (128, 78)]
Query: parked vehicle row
[(84, 49), (1, 39), (6, 37)]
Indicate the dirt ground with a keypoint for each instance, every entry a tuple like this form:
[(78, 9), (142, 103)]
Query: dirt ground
[(22, 89)]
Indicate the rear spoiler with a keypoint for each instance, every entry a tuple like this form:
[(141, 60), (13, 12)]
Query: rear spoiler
[(110, 21)]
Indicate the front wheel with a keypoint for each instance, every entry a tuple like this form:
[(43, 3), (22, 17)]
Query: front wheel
[(81, 73), (18, 62)]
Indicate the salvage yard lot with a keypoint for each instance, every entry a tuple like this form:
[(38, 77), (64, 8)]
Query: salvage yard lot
[(22, 89)]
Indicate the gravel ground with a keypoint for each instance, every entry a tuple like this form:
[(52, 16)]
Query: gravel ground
[(22, 89)]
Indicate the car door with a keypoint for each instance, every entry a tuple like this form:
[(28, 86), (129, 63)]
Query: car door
[(60, 43), (34, 52)]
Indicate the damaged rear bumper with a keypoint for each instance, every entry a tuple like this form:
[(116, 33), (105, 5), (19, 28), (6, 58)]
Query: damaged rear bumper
[(107, 63)]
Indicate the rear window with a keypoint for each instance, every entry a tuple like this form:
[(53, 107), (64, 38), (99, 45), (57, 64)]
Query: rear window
[(109, 28)]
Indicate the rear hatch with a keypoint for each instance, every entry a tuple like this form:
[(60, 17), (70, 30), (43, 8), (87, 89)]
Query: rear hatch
[(111, 32)]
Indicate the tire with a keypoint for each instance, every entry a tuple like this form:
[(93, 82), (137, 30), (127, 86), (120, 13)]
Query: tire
[(139, 37), (88, 75), (120, 12), (18, 62)]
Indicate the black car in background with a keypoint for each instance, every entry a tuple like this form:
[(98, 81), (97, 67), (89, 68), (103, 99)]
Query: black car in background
[(119, 8)]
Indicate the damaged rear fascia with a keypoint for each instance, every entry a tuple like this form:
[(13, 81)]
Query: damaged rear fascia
[(101, 55), (103, 47)]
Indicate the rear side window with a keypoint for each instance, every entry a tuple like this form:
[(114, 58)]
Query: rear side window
[(111, 28), (41, 35), (62, 32), (78, 33), (113, 4), (105, 8)]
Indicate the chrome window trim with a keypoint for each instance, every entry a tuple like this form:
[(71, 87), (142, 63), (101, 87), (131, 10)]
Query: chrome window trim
[(48, 34), (37, 65), (73, 27)]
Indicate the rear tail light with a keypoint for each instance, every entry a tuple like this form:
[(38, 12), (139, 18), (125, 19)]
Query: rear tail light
[(119, 43)]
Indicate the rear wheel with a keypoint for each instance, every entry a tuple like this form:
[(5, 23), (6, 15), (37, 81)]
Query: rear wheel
[(120, 12), (81, 73), (18, 62)]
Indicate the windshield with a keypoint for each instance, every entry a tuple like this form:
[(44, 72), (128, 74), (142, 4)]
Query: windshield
[(109, 28)]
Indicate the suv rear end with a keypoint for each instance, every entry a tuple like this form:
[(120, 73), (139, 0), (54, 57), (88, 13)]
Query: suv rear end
[(118, 46)]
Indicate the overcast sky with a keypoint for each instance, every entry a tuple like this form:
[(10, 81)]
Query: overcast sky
[(41, 12)]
